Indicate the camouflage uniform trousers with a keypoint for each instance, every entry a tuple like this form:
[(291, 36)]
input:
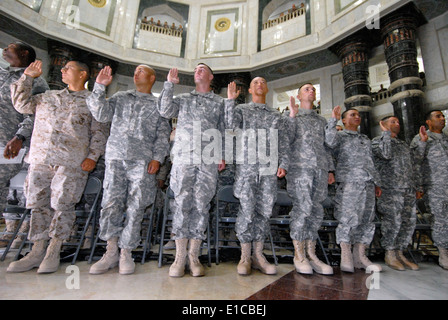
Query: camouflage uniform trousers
[(128, 191), (7, 172), (257, 195), (436, 199), (398, 217), (355, 211), (194, 187), (308, 188), (52, 193)]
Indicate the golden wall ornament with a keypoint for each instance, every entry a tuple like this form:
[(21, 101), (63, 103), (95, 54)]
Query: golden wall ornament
[(222, 24), (98, 3)]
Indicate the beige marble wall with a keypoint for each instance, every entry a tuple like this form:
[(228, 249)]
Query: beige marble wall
[(327, 27)]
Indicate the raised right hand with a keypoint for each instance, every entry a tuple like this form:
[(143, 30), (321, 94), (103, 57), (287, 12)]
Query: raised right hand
[(336, 113), (423, 134), (105, 76), (34, 70), (293, 107), (173, 76)]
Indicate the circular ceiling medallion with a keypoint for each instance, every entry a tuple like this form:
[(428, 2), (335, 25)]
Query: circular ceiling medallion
[(222, 24), (98, 3)]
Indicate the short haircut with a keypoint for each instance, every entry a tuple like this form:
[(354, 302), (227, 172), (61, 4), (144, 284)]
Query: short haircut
[(203, 64), (388, 117), (83, 67), (305, 85), (345, 113), (428, 115), (22, 46)]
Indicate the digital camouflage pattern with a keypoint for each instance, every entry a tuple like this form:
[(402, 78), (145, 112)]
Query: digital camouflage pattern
[(432, 159), (192, 180), (138, 135), (64, 135), (310, 162), (356, 176), (256, 182), (397, 204)]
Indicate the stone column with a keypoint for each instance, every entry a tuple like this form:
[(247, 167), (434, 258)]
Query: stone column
[(398, 32), (60, 54), (354, 54)]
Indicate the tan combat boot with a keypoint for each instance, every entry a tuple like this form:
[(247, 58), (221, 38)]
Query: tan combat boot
[(11, 226), (259, 260), (405, 262), (109, 260), (360, 260), (21, 235), (31, 260), (315, 263), (346, 257), (126, 264), (177, 269), (443, 257), (301, 263), (50, 263), (196, 268), (244, 267), (392, 261)]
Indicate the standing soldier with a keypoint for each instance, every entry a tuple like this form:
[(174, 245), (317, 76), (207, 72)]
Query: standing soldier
[(397, 205), (193, 180), (15, 128), (137, 145), (310, 172), (358, 184), (65, 146), (256, 181), (431, 150)]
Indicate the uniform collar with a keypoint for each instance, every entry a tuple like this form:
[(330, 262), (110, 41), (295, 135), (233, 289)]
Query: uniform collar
[(209, 94), (261, 106)]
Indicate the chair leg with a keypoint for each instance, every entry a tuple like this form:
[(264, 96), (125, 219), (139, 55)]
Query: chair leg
[(272, 246), (162, 237), (81, 240), (323, 249), (16, 231), (208, 246)]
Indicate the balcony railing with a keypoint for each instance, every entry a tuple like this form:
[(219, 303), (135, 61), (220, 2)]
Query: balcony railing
[(161, 30), (290, 15)]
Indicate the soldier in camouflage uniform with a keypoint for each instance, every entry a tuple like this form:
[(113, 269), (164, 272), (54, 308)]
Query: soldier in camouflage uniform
[(358, 183), (15, 128), (137, 145), (397, 205), (193, 178), (65, 145), (431, 151), (310, 171), (256, 179)]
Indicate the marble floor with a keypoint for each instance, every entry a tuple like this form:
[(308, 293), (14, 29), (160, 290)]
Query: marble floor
[(222, 283)]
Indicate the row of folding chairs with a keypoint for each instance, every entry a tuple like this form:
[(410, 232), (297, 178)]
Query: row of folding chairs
[(157, 222)]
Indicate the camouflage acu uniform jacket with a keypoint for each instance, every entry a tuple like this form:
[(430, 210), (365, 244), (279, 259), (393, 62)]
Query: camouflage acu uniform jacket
[(353, 155), (256, 116), (394, 161), (307, 141), (11, 121), (193, 109), (138, 132), (432, 159), (65, 133)]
